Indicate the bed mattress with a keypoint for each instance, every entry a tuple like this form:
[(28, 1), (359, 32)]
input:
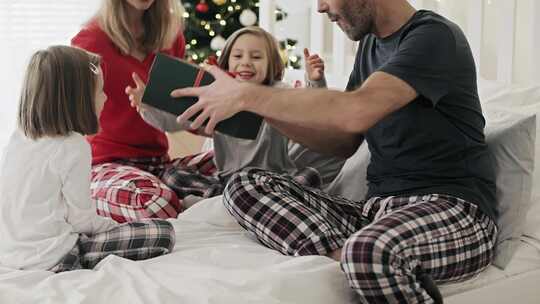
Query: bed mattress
[(216, 261)]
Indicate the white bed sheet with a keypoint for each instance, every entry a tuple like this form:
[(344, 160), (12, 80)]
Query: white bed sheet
[(496, 282), (518, 283), (216, 261)]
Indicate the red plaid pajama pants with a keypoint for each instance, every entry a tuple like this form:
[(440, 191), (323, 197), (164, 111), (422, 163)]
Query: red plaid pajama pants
[(390, 245), (134, 189)]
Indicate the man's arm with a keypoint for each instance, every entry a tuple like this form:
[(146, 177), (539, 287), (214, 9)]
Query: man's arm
[(328, 142), (348, 113)]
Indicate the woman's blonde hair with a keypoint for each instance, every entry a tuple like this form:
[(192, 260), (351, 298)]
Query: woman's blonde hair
[(58, 93), (276, 67), (162, 22)]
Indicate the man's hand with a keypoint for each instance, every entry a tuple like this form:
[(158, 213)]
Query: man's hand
[(136, 94), (218, 101), (314, 66)]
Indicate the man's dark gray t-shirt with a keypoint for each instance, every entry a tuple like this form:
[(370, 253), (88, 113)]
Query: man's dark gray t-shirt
[(436, 143)]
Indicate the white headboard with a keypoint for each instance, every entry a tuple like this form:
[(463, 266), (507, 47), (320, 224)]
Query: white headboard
[(504, 36)]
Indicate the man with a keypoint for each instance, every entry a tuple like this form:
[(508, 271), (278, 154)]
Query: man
[(430, 210)]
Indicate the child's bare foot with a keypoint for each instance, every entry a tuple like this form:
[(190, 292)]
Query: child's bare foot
[(336, 255)]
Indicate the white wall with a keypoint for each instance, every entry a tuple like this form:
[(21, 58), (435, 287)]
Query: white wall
[(26, 26), (526, 41)]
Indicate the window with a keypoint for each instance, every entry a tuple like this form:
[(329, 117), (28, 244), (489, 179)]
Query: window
[(25, 26)]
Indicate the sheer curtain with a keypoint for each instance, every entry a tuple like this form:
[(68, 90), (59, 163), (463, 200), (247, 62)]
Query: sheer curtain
[(25, 26)]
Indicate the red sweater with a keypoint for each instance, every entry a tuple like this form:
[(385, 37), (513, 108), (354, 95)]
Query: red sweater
[(123, 133)]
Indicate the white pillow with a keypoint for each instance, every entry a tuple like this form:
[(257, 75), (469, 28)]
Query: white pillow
[(532, 224), (511, 139), (524, 100), (351, 181)]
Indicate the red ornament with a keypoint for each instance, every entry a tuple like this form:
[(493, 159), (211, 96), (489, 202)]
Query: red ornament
[(202, 7)]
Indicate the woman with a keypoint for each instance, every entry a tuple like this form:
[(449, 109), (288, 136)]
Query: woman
[(128, 155)]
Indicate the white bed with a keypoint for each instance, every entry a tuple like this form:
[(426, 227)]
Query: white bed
[(519, 282), (215, 261)]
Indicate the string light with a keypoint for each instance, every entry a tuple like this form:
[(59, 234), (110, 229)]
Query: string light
[(209, 26), (220, 20)]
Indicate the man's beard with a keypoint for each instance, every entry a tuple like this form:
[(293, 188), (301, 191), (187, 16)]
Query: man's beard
[(359, 20)]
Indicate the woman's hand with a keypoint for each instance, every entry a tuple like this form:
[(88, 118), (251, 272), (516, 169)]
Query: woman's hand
[(136, 94), (218, 101), (314, 66)]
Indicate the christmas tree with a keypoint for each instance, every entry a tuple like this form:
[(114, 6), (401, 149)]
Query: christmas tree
[(208, 23)]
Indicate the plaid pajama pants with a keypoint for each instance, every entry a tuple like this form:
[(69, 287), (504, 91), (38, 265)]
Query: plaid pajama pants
[(389, 244), (192, 182), (134, 189), (134, 241)]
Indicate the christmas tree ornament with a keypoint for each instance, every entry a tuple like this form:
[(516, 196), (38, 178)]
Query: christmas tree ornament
[(210, 22), (248, 17), (187, 5), (218, 43), (202, 7)]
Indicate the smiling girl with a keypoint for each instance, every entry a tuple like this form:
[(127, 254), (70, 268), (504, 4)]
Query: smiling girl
[(252, 55)]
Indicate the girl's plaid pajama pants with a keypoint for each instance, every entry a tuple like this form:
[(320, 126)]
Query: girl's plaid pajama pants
[(135, 241)]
